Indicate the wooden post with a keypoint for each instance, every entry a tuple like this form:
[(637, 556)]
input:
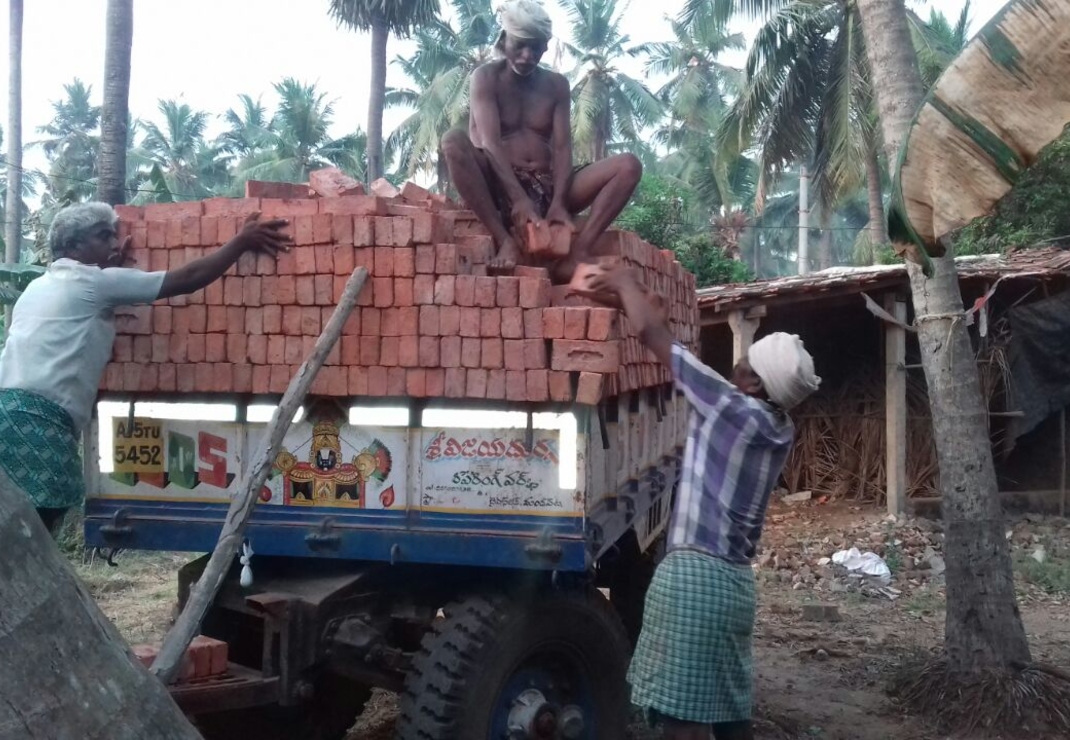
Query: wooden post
[(895, 405), (744, 326), (1062, 458), (241, 508)]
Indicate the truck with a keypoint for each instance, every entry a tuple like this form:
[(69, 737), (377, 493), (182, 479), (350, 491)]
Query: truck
[(486, 561)]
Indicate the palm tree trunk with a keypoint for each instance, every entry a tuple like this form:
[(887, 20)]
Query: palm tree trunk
[(13, 216), (878, 230), (66, 671), (983, 628), (377, 99), (114, 134), (824, 246)]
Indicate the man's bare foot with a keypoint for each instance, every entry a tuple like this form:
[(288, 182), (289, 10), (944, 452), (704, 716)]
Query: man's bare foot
[(505, 261)]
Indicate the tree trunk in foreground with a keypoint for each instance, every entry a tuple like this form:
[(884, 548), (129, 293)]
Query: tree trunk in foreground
[(377, 99), (66, 673), (13, 216), (983, 626), (114, 135), (878, 229)]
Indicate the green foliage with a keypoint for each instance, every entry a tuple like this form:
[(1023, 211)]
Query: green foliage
[(1034, 212), (710, 265)]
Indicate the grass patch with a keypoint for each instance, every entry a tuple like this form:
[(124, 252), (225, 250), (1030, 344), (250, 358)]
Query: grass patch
[(1052, 576)]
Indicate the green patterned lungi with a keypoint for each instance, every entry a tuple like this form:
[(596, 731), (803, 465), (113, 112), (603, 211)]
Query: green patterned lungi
[(693, 660), (39, 449)]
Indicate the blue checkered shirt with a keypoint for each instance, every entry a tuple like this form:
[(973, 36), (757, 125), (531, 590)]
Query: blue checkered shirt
[(736, 449)]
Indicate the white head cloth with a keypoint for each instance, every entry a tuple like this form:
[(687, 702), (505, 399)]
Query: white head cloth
[(526, 19), (785, 367)]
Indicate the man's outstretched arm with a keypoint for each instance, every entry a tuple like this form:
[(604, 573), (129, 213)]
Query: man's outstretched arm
[(562, 149), (643, 315)]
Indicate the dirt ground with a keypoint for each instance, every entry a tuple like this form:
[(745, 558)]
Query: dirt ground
[(814, 679)]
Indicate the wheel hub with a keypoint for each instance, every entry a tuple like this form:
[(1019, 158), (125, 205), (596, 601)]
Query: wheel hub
[(532, 717)]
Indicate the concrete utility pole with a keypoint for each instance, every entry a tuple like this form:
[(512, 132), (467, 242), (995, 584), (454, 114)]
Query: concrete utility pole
[(804, 221)]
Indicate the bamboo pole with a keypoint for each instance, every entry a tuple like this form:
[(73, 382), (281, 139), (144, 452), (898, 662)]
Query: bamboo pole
[(204, 591)]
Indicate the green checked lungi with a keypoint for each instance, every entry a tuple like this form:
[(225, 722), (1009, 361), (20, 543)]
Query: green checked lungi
[(693, 660), (39, 449)]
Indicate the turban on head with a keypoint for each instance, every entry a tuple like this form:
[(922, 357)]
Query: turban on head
[(785, 367), (526, 19)]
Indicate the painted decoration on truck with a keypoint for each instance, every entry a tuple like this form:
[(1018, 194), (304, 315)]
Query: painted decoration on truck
[(173, 460), (494, 471), (327, 478)]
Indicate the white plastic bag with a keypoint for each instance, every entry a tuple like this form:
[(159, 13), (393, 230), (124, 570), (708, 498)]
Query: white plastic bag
[(867, 563)]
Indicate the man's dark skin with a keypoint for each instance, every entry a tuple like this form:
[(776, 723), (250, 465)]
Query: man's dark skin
[(520, 119), (653, 332)]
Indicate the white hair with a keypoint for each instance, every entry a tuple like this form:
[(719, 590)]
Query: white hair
[(73, 225)]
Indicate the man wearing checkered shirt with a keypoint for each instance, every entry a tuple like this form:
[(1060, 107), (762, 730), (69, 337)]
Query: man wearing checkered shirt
[(691, 671)]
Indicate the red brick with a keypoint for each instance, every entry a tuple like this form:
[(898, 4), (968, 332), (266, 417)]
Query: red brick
[(512, 325), (305, 290), (535, 354), (601, 324), (302, 232), (162, 319), (256, 350), (425, 259), (435, 382), (408, 321), (173, 233), (269, 290), (286, 290), (280, 379), (276, 349), (286, 262), (217, 320), (232, 291), (186, 381), (310, 321), (429, 325), (416, 383), (323, 257), (486, 292), (356, 205), (516, 385), (576, 323), (342, 231), (492, 353), (508, 292), (323, 285), (363, 231), (490, 322), (167, 380), (295, 350), (496, 384), (404, 262), (231, 207), (352, 325), (251, 290), (395, 381), (400, 231), (384, 232), (409, 351), (227, 229), (470, 352), (159, 260), (155, 235), (388, 351), (368, 347), (161, 347), (191, 231), (321, 228), (272, 319), (538, 387), (476, 383), (122, 349), (470, 322), (534, 292), (533, 323), (514, 354), (560, 386), (243, 378), (178, 349), (390, 322), (262, 379), (377, 381), (403, 291), (371, 321), (142, 349), (464, 290), (237, 348), (384, 262), (429, 351), (446, 259), (589, 389), (254, 322), (456, 382), (449, 320), (358, 381), (215, 347), (423, 291), (338, 287), (291, 321), (527, 271), (450, 352), (586, 356), (445, 290)]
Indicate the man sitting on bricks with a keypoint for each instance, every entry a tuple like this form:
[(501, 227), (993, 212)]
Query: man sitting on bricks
[(691, 670), (514, 166)]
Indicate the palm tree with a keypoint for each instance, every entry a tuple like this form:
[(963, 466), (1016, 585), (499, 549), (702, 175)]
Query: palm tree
[(247, 128), (114, 135), (608, 105), (178, 154), (440, 71), (72, 144), (382, 18), (28, 188), (938, 41), (13, 222), (296, 141)]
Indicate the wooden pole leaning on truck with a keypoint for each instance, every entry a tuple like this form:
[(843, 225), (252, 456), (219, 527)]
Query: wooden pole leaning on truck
[(204, 590)]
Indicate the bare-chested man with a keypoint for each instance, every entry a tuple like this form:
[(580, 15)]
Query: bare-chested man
[(515, 164)]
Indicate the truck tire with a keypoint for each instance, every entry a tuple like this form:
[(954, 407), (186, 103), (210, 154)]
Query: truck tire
[(327, 716), (477, 669)]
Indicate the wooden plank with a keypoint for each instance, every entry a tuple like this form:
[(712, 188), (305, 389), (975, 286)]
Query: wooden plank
[(895, 405)]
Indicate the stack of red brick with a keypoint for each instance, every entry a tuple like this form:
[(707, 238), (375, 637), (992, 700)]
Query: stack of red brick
[(430, 322), (205, 657)]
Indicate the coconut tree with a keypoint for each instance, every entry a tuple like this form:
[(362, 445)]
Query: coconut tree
[(938, 41), (246, 127), (382, 18), (71, 143), (176, 151), (13, 223), (115, 136), (446, 55), (608, 105)]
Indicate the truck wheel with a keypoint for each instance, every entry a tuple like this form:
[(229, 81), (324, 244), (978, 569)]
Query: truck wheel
[(551, 665), (327, 716)]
